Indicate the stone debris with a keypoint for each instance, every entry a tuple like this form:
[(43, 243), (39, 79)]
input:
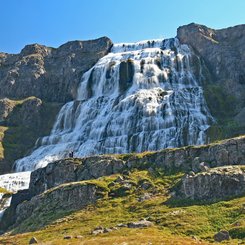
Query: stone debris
[(137, 224)]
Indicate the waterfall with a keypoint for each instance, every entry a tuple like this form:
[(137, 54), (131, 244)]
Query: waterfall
[(15, 181), (143, 96), (12, 183)]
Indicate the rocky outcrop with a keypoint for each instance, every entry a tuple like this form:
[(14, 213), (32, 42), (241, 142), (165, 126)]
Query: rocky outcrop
[(214, 184), (57, 179), (6, 107), (228, 152), (126, 72), (223, 52), (51, 74), (67, 197), (71, 170), (23, 122), (26, 113)]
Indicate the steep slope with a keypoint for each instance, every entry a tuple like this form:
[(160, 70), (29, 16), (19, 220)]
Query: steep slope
[(223, 53)]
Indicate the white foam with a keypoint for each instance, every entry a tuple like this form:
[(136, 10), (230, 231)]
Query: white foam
[(13, 183)]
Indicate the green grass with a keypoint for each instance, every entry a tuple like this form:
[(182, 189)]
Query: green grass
[(176, 224)]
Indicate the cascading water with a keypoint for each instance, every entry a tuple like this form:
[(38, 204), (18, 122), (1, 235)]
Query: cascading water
[(140, 97), (12, 183)]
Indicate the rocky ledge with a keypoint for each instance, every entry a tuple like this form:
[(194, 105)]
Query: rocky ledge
[(64, 198), (214, 184), (227, 152), (59, 184)]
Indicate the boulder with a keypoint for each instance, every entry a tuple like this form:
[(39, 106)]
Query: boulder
[(66, 197)]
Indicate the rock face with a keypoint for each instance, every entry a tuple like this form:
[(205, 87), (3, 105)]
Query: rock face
[(67, 197), (68, 170), (28, 113), (6, 107), (223, 52), (228, 152), (216, 183), (52, 76), (48, 73), (21, 123)]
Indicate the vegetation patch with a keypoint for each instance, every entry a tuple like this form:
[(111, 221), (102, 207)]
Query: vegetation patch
[(147, 199)]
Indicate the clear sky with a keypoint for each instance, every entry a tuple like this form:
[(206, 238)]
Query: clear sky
[(54, 22)]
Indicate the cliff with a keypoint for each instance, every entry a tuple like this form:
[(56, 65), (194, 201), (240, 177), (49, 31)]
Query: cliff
[(51, 74), (34, 84), (223, 54)]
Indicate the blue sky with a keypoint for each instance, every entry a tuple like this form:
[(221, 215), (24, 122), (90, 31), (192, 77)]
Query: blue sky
[(54, 22)]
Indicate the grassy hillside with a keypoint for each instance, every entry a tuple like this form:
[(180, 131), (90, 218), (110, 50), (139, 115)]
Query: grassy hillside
[(131, 197)]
